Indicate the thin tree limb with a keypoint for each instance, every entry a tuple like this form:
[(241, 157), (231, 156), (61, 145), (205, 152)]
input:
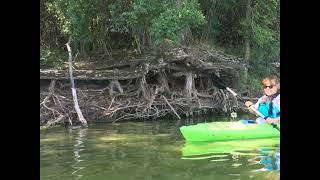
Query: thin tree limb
[(74, 92)]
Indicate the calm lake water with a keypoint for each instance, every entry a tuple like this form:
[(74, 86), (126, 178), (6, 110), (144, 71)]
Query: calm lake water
[(151, 151)]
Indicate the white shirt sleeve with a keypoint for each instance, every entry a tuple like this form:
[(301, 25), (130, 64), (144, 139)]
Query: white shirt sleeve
[(276, 102), (256, 106)]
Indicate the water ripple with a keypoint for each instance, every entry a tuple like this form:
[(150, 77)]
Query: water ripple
[(78, 147)]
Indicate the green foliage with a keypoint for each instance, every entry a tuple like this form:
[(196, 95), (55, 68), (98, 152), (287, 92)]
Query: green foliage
[(74, 18), (135, 16), (173, 21), (223, 17), (228, 26), (57, 9), (97, 24), (52, 24), (264, 34), (260, 66), (265, 26), (52, 58), (254, 84), (221, 22), (161, 19)]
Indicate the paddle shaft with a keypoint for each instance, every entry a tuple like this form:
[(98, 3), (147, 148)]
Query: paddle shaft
[(252, 108), (221, 85)]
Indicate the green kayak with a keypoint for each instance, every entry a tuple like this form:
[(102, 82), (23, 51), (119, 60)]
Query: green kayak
[(203, 150), (223, 131)]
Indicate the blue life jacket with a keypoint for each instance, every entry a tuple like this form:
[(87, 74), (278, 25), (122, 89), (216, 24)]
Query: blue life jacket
[(264, 109)]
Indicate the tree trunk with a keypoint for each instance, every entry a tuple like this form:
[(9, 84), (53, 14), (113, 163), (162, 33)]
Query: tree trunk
[(116, 84), (137, 39), (247, 44), (189, 85), (162, 79), (246, 60), (235, 82)]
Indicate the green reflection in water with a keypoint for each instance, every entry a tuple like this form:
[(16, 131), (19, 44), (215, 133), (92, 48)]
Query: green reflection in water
[(153, 150)]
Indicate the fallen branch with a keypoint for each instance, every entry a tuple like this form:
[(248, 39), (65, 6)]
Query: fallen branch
[(170, 106), (51, 91), (74, 92)]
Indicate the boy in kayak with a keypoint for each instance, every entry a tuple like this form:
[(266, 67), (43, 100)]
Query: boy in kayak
[(269, 104)]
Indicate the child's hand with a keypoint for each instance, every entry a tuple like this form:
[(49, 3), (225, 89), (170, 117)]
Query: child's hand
[(272, 120), (248, 103)]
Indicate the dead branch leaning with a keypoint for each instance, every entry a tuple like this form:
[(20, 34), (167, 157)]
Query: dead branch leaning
[(73, 88)]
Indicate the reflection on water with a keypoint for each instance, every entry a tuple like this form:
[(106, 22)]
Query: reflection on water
[(153, 151), (270, 160), (78, 147), (265, 152)]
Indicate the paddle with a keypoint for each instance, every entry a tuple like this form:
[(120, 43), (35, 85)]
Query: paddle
[(221, 85)]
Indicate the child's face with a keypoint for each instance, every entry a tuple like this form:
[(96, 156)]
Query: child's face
[(269, 87)]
